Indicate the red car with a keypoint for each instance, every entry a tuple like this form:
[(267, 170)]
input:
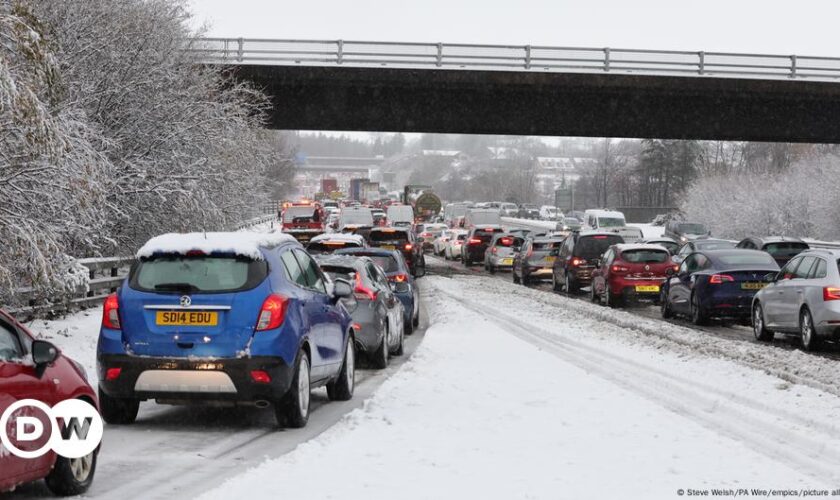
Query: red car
[(36, 369), (630, 272)]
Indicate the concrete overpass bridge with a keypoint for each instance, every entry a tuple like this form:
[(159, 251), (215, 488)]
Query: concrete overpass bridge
[(537, 90)]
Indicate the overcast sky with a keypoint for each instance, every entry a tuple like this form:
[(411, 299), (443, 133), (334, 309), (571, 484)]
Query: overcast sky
[(807, 27)]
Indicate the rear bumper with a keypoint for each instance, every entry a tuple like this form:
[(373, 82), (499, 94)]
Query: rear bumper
[(728, 305), (200, 380), (499, 262), (629, 290), (538, 271)]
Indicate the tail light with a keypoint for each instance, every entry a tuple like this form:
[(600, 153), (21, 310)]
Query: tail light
[(273, 312), (474, 241), (399, 278), (577, 262), (831, 293), (409, 246), (717, 279), (260, 376), (494, 250), (113, 373), (361, 291), (111, 312), (619, 269), (676, 268)]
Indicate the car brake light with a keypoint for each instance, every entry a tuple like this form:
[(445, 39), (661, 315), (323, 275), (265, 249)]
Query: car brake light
[(399, 278), (619, 269), (111, 312), (494, 250), (831, 293), (578, 262), (260, 376), (717, 279), (409, 246), (273, 312), (196, 253), (363, 292), (474, 241), (113, 373)]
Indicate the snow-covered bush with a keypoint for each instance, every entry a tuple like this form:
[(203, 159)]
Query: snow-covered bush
[(801, 201)]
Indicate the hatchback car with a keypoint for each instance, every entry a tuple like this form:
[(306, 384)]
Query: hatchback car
[(476, 243), (36, 369), (781, 248), (630, 272), (376, 311), (576, 259), (400, 239), (426, 233), (452, 250), (396, 269), (330, 242), (230, 318), (501, 251), (716, 284), (535, 259), (803, 299)]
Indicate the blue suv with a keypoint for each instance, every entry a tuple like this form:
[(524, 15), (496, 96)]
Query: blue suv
[(231, 318)]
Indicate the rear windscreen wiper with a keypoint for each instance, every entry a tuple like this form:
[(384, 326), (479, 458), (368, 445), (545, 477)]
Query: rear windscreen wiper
[(177, 287)]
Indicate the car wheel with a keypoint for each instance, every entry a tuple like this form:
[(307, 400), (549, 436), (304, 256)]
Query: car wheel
[(808, 334), (118, 411), (415, 321), (400, 349), (293, 410), (380, 356), (408, 329), (665, 306), (72, 476), (610, 299), (569, 285), (341, 389), (555, 285), (515, 277), (759, 328), (593, 297), (491, 268), (698, 315), (525, 279)]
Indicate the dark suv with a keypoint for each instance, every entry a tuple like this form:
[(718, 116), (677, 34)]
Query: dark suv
[(529, 211), (398, 238), (477, 241), (576, 259), (781, 248)]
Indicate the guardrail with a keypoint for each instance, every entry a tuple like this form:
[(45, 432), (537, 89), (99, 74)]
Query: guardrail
[(511, 57)]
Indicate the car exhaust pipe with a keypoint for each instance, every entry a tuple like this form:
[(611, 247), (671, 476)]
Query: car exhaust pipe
[(262, 404)]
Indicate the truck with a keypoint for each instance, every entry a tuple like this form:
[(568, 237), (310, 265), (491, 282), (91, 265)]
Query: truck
[(369, 192), (328, 185), (425, 203), (303, 221), (356, 188)]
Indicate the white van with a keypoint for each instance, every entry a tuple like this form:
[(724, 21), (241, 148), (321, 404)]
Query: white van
[(611, 221), (355, 216), (400, 215), (482, 216)]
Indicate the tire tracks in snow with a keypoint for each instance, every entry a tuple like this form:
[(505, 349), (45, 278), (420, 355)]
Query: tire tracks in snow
[(798, 441)]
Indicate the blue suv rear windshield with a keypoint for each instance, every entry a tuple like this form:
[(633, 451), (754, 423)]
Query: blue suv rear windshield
[(197, 274)]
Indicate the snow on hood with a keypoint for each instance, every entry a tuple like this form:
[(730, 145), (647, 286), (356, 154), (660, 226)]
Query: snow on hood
[(241, 243), (349, 238)]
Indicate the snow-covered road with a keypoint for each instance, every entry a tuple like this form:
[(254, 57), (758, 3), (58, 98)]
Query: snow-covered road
[(510, 397)]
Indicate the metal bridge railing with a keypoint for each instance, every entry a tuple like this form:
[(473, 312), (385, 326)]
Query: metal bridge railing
[(510, 57)]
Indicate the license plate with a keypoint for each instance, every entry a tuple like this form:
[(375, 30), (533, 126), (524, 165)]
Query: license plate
[(550, 259), (647, 288), (388, 247), (753, 286), (507, 262), (187, 318)]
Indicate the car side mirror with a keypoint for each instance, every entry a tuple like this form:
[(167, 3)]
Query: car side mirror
[(670, 272), (43, 354), (596, 262), (341, 289)]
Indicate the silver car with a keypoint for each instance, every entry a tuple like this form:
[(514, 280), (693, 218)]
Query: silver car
[(500, 252), (802, 300)]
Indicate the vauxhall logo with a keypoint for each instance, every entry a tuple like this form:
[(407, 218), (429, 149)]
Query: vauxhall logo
[(75, 428)]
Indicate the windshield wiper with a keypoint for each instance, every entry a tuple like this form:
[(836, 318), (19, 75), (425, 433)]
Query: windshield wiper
[(177, 287)]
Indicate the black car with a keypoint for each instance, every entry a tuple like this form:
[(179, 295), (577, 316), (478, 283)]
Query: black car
[(529, 211), (575, 259), (701, 245), (781, 248), (475, 246), (399, 238)]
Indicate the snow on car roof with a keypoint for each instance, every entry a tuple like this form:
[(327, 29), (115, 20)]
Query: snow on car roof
[(242, 243), (349, 238), (624, 247)]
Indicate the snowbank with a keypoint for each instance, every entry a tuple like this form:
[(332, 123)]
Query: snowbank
[(246, 244)]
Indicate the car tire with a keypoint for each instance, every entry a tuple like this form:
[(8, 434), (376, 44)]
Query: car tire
[(293, 409), (807, 333), (665, 306), (379, 358), (118, 411), (408, 329), (611, 300), (492, 269), (593, 297), (698, 316), (569, 285), (516, 279), (341, 389), (400, 349), (72, 476), (555, 285), (415, 320), (760, 330)]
